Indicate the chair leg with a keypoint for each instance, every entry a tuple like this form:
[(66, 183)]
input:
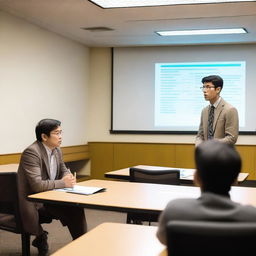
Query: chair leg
[(25, 241), (134, 219), (128, 219)]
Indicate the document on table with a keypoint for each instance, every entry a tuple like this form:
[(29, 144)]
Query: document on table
[(83, 190), (187, 173)]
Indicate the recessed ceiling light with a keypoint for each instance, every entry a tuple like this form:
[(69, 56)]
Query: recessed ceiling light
[(202, 32), (140, 3)]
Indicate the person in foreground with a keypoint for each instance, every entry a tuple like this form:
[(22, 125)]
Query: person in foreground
[(41, 168), (219, 120), (217, 168)]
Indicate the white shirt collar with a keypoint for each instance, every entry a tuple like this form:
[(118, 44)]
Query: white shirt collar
[(216, 103), (48, 150)]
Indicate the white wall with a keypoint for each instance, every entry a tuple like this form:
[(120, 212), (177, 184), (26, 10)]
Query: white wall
[(100, 107), (45, 75), (41, 75)]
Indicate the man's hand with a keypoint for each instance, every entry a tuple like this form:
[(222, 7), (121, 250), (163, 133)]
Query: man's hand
[(69, 180)]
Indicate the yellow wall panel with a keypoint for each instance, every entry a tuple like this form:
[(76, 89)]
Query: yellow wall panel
[(10, 158), (70, 154), (108, 156), (185, 155), (130, 154), (75, 153), (113, 156), (248, 155), (101, 159)]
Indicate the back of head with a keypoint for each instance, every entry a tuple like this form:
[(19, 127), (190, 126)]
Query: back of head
[(45, 126), (218, 165), (217, 81)]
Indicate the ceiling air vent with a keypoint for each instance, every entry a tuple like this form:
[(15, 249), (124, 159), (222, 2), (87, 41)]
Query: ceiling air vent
[(98, 29)]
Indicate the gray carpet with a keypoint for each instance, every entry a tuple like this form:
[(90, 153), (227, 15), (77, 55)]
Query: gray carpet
[(10, 244)]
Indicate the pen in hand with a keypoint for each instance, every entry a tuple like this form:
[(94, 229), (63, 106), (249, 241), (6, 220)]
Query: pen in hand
[(71, 173), (69, 179)]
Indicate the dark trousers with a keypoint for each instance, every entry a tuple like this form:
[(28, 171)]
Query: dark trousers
[(70, 216)]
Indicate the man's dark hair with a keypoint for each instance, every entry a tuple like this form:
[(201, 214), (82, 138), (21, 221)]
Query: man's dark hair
[(217, 81), (218, 165), (46, 126)]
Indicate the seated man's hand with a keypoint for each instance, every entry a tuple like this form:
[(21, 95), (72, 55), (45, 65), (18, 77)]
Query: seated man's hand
[(69, 180)]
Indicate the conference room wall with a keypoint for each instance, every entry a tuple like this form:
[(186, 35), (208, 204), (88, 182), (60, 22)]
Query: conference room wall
[(42, 75), (77, 82)]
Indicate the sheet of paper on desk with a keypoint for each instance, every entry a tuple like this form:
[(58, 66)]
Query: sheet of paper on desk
[(187, 173), (82, 190)]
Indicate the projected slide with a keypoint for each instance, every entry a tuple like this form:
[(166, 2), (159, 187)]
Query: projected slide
[(179, 99)]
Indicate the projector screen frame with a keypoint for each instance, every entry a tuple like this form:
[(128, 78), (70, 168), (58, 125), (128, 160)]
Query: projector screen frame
[(157, 132)]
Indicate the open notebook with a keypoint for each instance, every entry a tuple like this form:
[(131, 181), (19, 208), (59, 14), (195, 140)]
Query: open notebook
[(83, 190)]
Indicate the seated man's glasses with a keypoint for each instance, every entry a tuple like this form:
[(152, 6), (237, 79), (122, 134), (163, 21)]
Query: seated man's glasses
[(59, 133)]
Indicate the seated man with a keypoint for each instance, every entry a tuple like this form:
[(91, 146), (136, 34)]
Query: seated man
[(42, 168), (217, 168)]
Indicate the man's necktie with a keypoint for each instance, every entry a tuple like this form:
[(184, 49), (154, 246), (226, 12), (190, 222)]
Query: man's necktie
[(210, 123)]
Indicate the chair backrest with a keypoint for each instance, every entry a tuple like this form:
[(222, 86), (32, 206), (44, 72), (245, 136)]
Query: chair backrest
[(206, 238), (168, 176), (9, 201)]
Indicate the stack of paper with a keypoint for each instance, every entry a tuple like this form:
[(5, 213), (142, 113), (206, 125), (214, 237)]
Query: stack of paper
[(81, 190)]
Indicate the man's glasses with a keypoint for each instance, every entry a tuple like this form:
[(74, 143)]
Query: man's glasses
[(59, 133), (206, 87)]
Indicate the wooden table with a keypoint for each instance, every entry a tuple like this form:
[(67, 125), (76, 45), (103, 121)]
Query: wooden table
[(186, 175), (114, 239), (9, 167), (134, 197)]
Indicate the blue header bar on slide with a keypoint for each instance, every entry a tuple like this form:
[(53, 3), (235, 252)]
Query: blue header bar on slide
[(203, 65)]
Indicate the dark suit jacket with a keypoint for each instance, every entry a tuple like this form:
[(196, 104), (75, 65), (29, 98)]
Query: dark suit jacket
[(209, 206), (34, 177), (225, 124)]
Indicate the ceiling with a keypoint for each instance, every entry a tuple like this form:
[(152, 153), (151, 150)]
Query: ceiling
[(136, 26)]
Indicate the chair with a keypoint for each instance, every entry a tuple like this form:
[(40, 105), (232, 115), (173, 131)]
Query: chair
[(10, 216), (203, 238), (168, 176)]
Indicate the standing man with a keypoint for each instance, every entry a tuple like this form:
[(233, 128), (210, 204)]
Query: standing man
[(219, 120), (42, 168)]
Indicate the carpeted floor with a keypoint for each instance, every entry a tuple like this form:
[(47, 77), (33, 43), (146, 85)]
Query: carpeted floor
[(10, 244)]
